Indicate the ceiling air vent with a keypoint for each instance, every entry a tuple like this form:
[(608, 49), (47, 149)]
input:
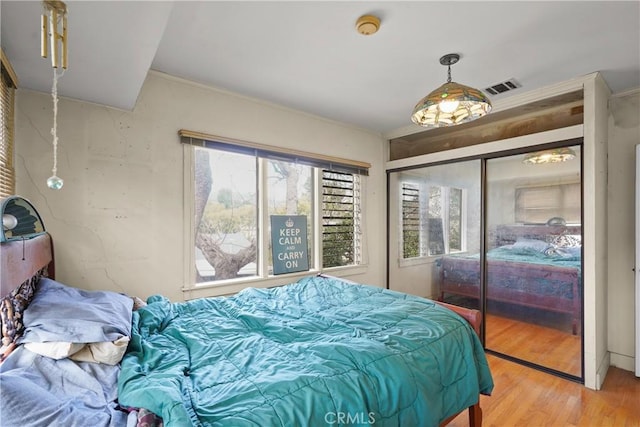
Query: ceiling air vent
[(503, 87)]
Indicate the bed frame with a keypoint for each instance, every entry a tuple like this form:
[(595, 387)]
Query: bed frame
[(544, 287), (474, 317), (20, 260)]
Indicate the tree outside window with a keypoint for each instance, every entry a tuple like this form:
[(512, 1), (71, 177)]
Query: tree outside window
[(226, 215), (233, 190)]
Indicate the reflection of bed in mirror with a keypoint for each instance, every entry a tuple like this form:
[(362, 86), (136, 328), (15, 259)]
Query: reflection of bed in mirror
[(535, 266)]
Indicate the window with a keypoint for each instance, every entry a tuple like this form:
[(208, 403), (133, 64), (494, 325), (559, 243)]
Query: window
[(8, 84), (537, 204), (431, 225), (226, 215), (454, 237), (237, 189), (290, 192), (410, 221), (340, 219)]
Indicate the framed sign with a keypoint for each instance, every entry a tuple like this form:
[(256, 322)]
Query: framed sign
[(289, 243)]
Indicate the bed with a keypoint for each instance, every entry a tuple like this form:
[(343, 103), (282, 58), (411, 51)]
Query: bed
[(321, 351), (535, 266)]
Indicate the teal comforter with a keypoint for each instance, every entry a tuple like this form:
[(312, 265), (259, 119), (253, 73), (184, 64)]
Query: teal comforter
[(317, 352)]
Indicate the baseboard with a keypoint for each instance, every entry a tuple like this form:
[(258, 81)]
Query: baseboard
[(602, 370), (623, 362)]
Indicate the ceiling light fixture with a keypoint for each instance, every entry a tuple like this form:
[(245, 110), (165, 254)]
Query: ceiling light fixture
[(555, 155), (54, 30), (452, 103)]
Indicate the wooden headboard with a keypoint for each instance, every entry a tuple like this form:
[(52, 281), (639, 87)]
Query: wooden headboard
[(21, 259)]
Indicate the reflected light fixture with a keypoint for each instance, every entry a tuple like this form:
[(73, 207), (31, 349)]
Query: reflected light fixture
[(54, 31), (555, 155), (452, 103)]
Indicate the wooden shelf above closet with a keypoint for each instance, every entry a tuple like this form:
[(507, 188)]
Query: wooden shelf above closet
[(547, 114)]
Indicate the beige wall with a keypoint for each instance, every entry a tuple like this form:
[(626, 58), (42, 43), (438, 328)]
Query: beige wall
[(624, 135), (117, 223)]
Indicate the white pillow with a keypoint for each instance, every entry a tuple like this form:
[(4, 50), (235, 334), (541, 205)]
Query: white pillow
[(54, 349), (110, 352)]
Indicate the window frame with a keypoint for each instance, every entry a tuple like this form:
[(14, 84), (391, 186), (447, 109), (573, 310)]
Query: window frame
[(423, 243), (9, 83), (355, 212), (409, 186), (191, 289), (557, 198)]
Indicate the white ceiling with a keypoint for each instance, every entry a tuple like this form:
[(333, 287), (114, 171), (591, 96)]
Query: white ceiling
[(307, 55)]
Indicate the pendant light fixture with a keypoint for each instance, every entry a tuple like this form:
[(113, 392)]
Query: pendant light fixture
[(452, 103)]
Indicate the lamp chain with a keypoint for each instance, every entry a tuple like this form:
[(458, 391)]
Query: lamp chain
[(54, 129), (449, 73)]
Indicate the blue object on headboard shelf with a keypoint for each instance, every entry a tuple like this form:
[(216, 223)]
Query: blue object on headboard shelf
[(20, 220)]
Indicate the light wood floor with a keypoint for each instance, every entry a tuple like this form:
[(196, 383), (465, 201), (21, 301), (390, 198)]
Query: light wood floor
[(543, 345), (527, 397)]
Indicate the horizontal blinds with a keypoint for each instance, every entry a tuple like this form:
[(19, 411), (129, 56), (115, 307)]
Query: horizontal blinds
[(275, 153), (410, 221), (8, 83), (339, 219), (539, 204)]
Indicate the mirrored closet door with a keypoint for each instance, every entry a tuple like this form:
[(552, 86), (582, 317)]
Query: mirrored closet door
[(534, 258), (502, 234), (437, 218)]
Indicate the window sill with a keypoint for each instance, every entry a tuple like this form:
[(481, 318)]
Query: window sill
[(232, 286), (410, 262)]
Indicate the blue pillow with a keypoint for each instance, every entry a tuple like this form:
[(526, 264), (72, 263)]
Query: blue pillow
[(63, 313), (531, 244)]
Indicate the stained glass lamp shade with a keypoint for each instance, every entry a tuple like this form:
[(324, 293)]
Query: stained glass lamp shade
[(450, 104)]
